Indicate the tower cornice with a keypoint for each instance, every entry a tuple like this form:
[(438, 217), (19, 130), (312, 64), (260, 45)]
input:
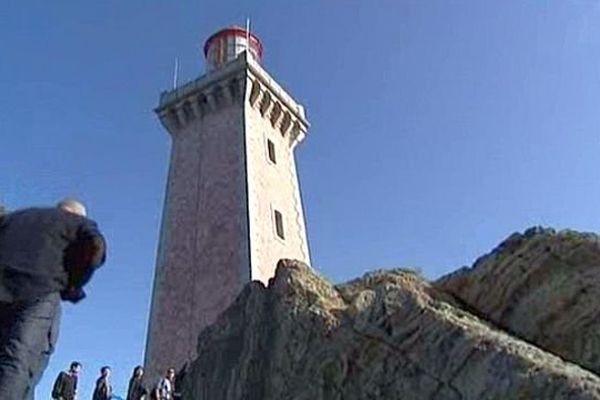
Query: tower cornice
[(242, 80)]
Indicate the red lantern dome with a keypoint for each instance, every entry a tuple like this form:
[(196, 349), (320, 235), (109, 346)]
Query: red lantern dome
[(225, 46)]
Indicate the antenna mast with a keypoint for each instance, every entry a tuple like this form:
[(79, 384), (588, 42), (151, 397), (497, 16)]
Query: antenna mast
[(248, 35), (175, 73)]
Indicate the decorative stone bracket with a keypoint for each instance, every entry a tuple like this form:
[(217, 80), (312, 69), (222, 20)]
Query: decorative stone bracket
[(279, 114), (201, 103)]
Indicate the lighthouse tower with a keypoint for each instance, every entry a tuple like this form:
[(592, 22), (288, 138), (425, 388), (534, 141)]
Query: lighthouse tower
[(232, 206)]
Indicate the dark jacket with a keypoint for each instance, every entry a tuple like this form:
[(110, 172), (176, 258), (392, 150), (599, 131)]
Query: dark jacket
[(44, 250), (136, 389), (65, 387), (103, 390)]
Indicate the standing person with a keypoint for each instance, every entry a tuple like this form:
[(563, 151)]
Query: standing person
[(166, 386), (136, 390), (103, 390), (65, 385), (46, 254)]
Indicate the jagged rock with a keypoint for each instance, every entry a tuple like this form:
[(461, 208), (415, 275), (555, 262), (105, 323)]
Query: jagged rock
[(542, 286), (388, 335)]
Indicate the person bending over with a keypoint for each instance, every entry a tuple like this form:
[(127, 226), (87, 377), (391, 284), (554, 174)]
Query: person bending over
[(46, 254)]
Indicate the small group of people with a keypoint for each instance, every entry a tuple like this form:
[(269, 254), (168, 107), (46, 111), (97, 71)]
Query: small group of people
[(65, 386)]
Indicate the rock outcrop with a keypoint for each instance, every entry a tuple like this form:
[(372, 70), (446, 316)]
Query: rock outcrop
[(388, 335), (542, 286)]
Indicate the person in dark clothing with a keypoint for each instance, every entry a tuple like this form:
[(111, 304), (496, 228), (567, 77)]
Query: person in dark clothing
[(103, 389), (46, 254), (65, 385), (136, 390)]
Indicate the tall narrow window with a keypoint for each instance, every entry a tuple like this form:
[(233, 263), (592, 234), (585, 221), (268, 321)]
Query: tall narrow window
[(271, 151), (279, 225)]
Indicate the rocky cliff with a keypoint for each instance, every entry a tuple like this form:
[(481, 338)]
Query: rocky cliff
[(542, 286), (392, 335)]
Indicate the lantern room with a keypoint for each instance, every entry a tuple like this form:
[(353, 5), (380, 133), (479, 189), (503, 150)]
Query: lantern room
[(225, 46)]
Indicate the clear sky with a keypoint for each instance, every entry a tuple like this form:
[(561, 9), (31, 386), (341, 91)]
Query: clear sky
[(438, 128)]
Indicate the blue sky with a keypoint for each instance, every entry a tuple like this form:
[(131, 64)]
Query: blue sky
[(438, 128)]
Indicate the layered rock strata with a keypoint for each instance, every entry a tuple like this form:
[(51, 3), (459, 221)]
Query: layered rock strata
[(388, 335), (543, 286)]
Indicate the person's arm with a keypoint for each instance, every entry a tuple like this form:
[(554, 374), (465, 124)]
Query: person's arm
[(130, 390), (82, 258), (90, 247), (58, 386), (159, 389), (93, 241), (105, 390)]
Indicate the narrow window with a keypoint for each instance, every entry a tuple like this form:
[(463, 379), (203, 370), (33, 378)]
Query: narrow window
[(279, 225), (271, 151)]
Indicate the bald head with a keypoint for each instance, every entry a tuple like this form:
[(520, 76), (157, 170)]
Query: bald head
[(72, 206)]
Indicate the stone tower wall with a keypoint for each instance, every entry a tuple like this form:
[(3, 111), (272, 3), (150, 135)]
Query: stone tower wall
[(272, 186), (218, 229), (203, 258)]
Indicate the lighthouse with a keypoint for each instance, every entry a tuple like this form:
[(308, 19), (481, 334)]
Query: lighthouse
[(232, 204)]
